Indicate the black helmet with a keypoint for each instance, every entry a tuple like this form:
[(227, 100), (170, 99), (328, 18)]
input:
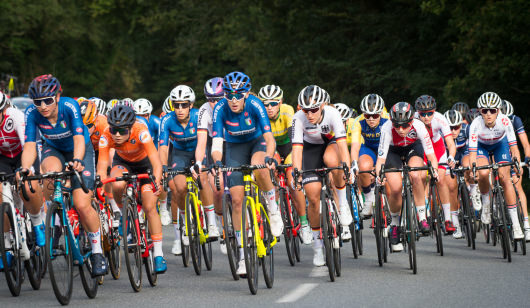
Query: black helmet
[(401, 113), (462, 107), (121, 116), (472, 114), (425, 102)]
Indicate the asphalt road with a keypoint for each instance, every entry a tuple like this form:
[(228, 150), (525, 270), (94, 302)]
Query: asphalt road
[(462, 277)]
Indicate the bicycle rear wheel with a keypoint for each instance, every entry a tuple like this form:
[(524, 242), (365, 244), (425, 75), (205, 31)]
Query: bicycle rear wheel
[(192, 225), (59, 254), (114, 254), (359, 233), (503, 226), (353, 229), (378, 226), (468, 217), (207, 246), (410, 231), (288, 230), (249, 246), (90, 285), (336, 231), (149, 261), (437, 219), (232, 248), (14, 271), (267, 261), (131, 246), (326, 236), (35, 265)]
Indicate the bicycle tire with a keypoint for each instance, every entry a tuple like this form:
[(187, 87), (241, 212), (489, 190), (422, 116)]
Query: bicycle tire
[(324, 229), (90, 285), (267, 262), (192, 223), (359, 235), (411, 233), (114, 254), (232, 248), (504, 227), (14, 273), (184, 248), (249, 247), (437, 219), (288, 231), (469, 217), (149, 261), (378, 227), (521, 223), (337, 260), (297, 240), (207, 246), (34, 266), (132, 251), (57, 245), (352, 227)]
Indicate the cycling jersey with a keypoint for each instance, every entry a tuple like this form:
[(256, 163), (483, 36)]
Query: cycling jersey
[(330, 128), (182, 138), (99, 128), (480, 133), (389, 137), (349, 130), (462, 138), (138, 147), (60, 136), (517, 123), (12, 132), (363, 133), (280, 126), (241, 127), (206, 119), (439, 127), (153, 123)]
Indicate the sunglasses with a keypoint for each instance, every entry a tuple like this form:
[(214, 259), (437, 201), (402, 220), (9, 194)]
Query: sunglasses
[(121, 130), (488, 110), (214, 99), (180, 105), (311, 110), (403, 125), (271, 103), (46, 100), (371, 116), (426, 114), (231, 96), (89, 126), (456, 127)]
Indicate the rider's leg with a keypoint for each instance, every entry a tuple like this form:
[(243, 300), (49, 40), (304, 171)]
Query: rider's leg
[(484, 187), (312, 192), (331, 159), (155, 225), (509, 195), (366, 181)]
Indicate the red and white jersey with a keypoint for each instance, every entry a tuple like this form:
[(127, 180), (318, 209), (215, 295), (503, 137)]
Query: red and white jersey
[(389, 137), (439, 128), (12, 132), (479, 132), (329, 128)]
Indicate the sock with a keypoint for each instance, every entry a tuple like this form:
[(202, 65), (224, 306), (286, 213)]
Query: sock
[(36, 219), (512, 211), (369, 196), (163, 204), (447, 211), (219, 219), (95, 239), (486, 199), (157, 245), (303, 220), (421, 212), (176, 225), (472, 189), (114, 205), (241, 251), (210, 214), (525, 222), (341, 193), (456, 221), (271, 198), (317, 242), (395, 219)]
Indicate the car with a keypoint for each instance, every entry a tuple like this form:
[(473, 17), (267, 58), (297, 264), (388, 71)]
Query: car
[(21, 102)]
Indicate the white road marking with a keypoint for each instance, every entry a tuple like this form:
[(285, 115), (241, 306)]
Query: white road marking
[(297, 293)]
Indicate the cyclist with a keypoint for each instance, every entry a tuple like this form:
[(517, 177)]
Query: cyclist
[(100, 104), (243, 121), (347, 120), (166, 108), (66, 139), (439, 132), (405, 136), (143, 108), (111, 104), (281, 118), (494, 133), (366, 133), (319, 139), (134, 153), (518, 126), (463, 108)]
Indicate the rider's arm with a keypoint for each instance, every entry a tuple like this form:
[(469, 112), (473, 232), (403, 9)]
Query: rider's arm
[(152, 154), (384, 144), (79, 147), (271, 144), (103, 156), (29, 152), (164, 139), (356, 140), (217, 132), (510, 135), (78, 129), (450, 144), (202, 137), (297, 139), (425, 139), (163, 151), (523, 138), (473, 140)]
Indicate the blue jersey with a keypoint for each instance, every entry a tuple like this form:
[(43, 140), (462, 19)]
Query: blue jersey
[(461, 139), (61, 135), (153, 124), (517, 123), (241, 127), (370, 135), (182, 138)]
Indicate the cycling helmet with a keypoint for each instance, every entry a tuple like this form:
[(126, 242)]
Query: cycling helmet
[(127, 102), (270, 92), (311, 97), (100, 104), (327, 98), (121, 116), (4, 101), (89, 112), (81, 99), (113, 102), (166, 107), (44, 86), (472, 114), (425, 102), (181, 93), (401, 113), (372, 104), (345, 112), (236, 82), (506, 108), (454, 117), (142, 106), (489, 100), (461, 107), (354, 113), (213, 88)]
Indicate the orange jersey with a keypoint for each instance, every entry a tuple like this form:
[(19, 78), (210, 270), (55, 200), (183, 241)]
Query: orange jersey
[(100, 126), (139, 146), (162, 115)]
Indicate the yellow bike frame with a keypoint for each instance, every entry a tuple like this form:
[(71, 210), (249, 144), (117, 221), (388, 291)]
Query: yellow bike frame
[(193, 192)]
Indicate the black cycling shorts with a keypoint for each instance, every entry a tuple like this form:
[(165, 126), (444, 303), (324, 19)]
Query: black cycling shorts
[(312, 158), (393, 158), (133, 167)]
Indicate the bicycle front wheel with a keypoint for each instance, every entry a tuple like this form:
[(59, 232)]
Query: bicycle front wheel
[(249, 246), (325, 220), (35, 265), (503, 226), (114, 254), (267, 261), (131, 246), (90, 285), (378, 226), (288, 231), (410, 231), (13, 270), (232, 248), (436, 216), (193, 225)]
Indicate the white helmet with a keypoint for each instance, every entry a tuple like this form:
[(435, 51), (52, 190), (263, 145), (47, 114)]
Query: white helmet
[(327, 98), (270, 92), (166, 107), (489, 100), (110, 104), (311, 97), (507, 108), (454, 117), (142, 106), (182, 93), (4, 101), (372, 104), (345, 111), (101, 105), (127, 102)]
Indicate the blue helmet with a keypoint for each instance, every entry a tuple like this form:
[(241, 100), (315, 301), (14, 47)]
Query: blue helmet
[(44, 86), (236, 82)]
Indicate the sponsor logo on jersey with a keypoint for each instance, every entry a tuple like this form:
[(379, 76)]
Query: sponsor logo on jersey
[(412, 134), (178, 133), (474, 138), (246, 114), (9, 126), (191, 124), (192, 130), (161, 141), (63, 124), (79, 130), (86, 173), (248, 121), (145, 137), (214, 133), (59, 136), (103, 141), (325, 129), (45, 126), (133, 141), (267, 127), (505, 121), (234, 124)]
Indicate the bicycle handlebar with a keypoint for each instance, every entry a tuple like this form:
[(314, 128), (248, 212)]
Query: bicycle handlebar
[(50, 175), (126, 176)]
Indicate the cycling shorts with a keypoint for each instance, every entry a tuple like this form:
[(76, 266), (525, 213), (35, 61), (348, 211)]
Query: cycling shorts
[(133, 167), (461, 153), (87, 174), (365, 150), (181, 160), (312, 158), (285, 152), (500, 151), (393, 159), (238, 154), (10, 165)]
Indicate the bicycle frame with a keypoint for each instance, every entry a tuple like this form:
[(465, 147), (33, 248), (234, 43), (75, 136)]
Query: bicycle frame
[(193, 191), (282, 187), (7, 194)]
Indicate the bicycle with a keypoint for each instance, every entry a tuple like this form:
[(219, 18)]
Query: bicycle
[(196, 222), (138, 248), (330, 227), (291, 221), (229, 234), (467, 212), (356, 227), (67, 244), (19, 241), (381, 223), (258, 242), (436, 215), (520, 216)]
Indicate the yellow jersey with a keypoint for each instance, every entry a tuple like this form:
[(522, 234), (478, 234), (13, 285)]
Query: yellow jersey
[(280, 126)]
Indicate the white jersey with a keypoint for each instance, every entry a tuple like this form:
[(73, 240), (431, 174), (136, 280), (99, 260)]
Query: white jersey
[(439, 128), (12, 132), (389, 137), (206, 118), (479, 132), (328, 129)]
